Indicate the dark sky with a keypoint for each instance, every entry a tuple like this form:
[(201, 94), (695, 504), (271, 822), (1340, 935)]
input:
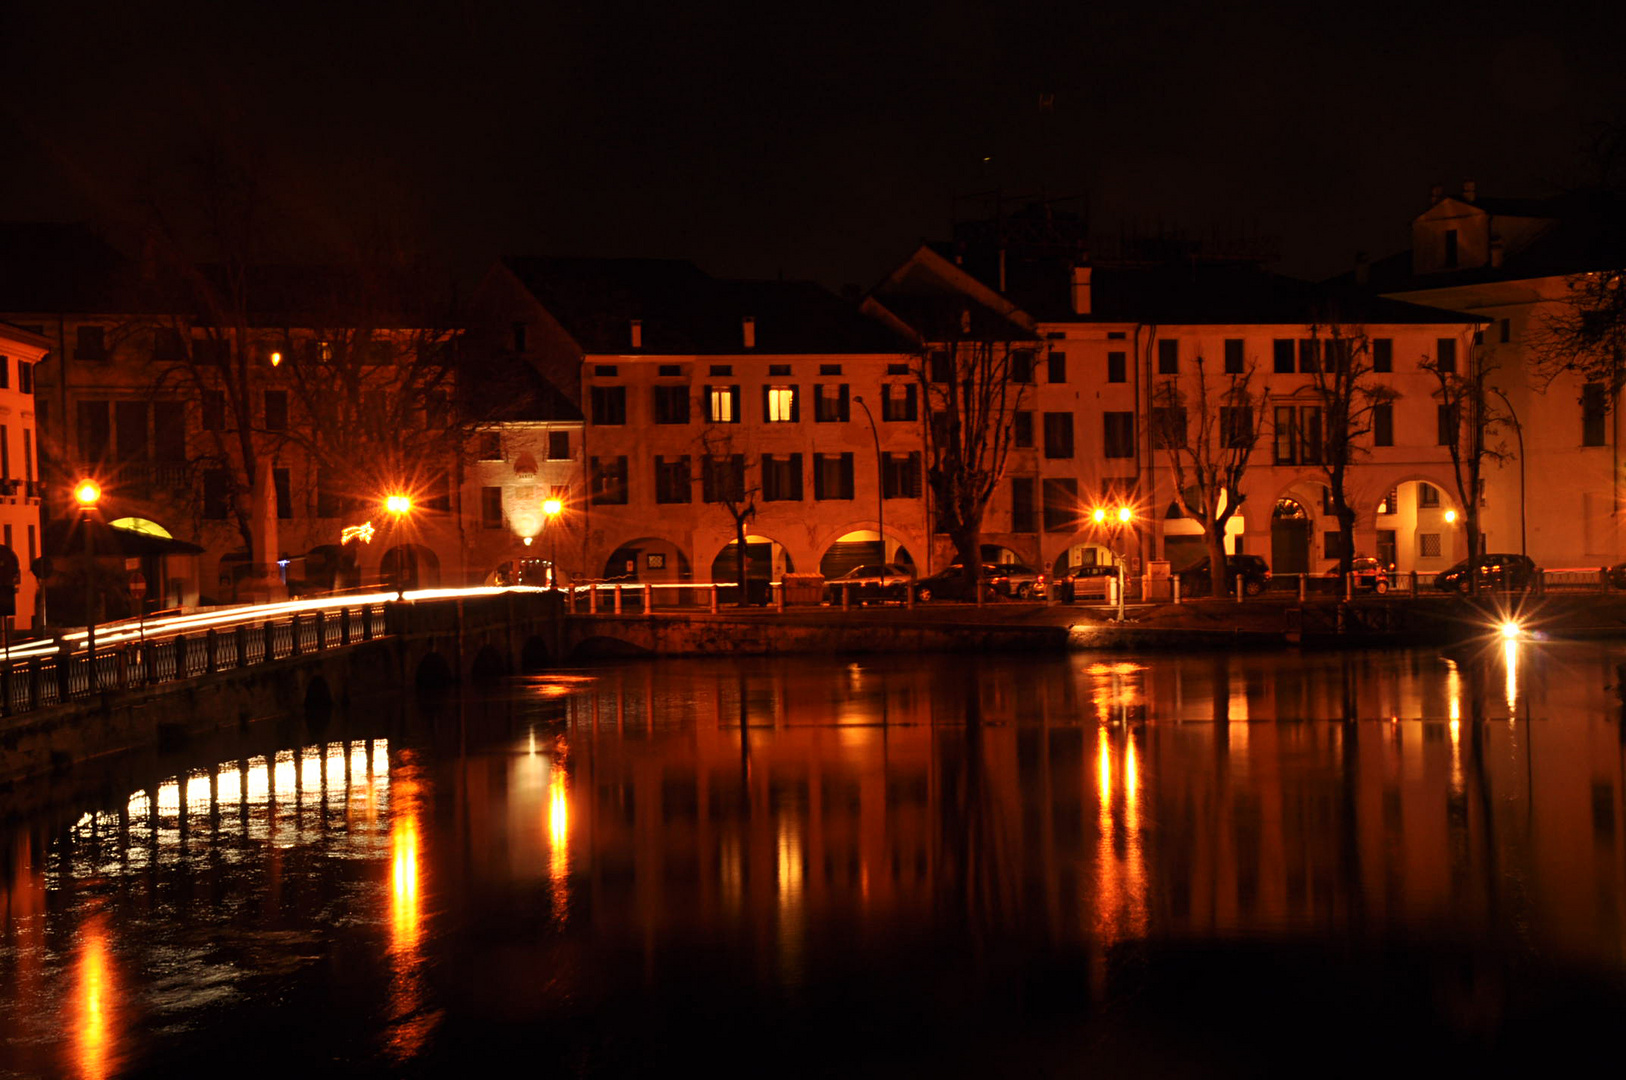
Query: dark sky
[(820, 141)]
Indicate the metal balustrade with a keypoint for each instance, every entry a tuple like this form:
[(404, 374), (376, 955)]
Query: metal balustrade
[(42, 681)]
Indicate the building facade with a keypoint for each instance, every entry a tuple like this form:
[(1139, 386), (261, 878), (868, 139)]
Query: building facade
[(20, 535)]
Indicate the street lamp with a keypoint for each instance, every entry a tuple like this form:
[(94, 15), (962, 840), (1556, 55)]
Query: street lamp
[(399, 506), (880, 476), (1115, 521), (87, 493), (552, 508)]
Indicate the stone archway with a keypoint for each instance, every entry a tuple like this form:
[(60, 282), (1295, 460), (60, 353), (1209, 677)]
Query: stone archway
[(409, 566), (648, 558), (766, 559), (1290, 526)]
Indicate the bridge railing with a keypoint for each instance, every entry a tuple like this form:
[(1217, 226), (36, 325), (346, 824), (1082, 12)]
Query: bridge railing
[(42, 681)]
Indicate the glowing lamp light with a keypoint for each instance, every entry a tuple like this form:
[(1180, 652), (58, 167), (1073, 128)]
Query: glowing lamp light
[(1099, 516), (1125, 515), (398, 504), (552, 507), (1511, 630), (1450, 516), (86, 493), (276, 359), (528, 541)]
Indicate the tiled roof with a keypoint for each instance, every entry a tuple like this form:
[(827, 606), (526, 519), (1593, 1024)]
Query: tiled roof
[(684, 311)]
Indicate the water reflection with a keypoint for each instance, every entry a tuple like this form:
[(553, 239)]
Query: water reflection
[(584, 834)]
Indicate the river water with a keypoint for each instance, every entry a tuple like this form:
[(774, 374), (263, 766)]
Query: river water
[(1213, 864)]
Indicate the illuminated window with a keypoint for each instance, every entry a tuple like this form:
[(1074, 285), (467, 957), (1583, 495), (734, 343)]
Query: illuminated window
[(723, 404), (781, 404)]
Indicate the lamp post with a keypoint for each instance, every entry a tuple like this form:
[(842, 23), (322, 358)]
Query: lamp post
[(399, 506), (1115, 521), (880, 476), (87, 494), (1518, 431), (552, 508)]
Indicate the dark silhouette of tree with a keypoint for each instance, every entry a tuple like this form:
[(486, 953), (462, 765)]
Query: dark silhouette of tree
[(1469, 423), (1207, 427), (1342, 376), (729, 481)]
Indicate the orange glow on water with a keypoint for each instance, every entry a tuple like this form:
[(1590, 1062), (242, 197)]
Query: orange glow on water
[(93, 1003), (558, 830), (410, 1019)]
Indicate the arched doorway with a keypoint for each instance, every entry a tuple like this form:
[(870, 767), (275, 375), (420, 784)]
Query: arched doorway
[(861, 547), (1082, 555), (1289, 538), (409, 566), (994, 553), (648, 559), (331, 566), (765, 560)]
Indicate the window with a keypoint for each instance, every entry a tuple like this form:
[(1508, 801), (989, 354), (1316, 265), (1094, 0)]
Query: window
[(1332, 544), (216, 494), (28, 455), (1060, 504), (285, 497), (1058, 367), (1505, 330), (607, 481), (276, 410), (782, 478), (830, 402), (1593, 410), (1168, 357), (1022, 365), (898, 402), (942, 367), (1338, 352), (672, 480), (1120, 434), (1383, 425), (900, 476), (1383, 355), (1310, 429), (25, 377), (1445, 424), (609, 405), (1234, 361), (166, 345), (1281, 351), (778, 369), (1309, 355), (1022, 508), (491, 508), (1428, 545), (1445, 352), (779, 405), (829, 369), (1450, 248), (669, 371), (130, 430), (1391, 501), (608, 371), (722, 370), (1117, 367), (1058, 434), (722, 479), (1169, 427), (722, 404), (897, 369), (832, 476), (490, 446), (5, 452), (1116, 335), (214, 410), (94, 431), (671, 404), (1298, 435), (1022, 430), (1236, 426), (5, 372), (558, 446), (89, 344), (1428, 495)]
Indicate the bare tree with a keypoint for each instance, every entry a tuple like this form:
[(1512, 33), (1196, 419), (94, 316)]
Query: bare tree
[(1208, 459), (1583, 336), (973, 387), (727, 480), (1469, 424), (1342, 371)]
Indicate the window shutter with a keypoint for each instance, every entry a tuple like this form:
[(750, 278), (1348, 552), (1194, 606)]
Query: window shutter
[(705, 402), (795, 475), (846, 470), (841, 409), (820, 490), (795, 404), (767, 395), (909, 400)]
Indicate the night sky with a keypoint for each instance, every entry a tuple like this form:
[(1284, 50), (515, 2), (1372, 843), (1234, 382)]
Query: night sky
[(820, 141)]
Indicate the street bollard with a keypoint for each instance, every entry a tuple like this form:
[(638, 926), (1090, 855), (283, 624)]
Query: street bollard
[(592, 599), (618, 599), (321, 629), (649, 592), (1239, 588), (293, 635), (1304, 586), (1349, 587), (1176, 585), (846, 597), (778, 595), (714, 598)]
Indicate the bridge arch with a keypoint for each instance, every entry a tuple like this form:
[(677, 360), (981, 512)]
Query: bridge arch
[(534, 655), (489, 665), (433, 673)]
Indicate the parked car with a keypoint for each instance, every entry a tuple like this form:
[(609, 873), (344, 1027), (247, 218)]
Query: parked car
[(1617, 576), (1086, 583), (1370, 575), (1497, 570), (1014, 579), (876, 581), (1253, 568)]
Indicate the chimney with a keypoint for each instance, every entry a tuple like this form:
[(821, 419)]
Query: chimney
[(1497, 252), (1082, 289), (637, 333), (1435, 194), (748, 326), (1363, 269), (1470, 191)]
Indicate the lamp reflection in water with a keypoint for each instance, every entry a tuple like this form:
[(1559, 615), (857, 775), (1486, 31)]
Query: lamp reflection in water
[(1510, 660), (93, 1003), (559, 841), (409, 1021), (1453, 690)]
